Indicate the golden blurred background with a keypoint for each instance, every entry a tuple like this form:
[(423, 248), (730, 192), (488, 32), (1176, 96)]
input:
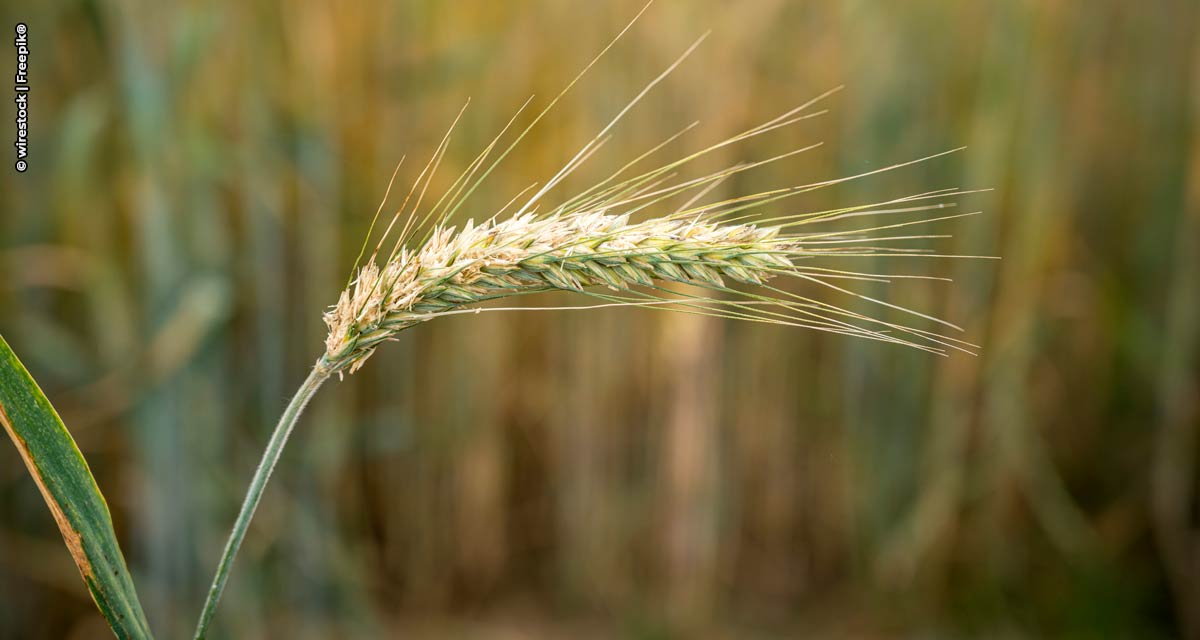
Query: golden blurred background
[(201, 176)]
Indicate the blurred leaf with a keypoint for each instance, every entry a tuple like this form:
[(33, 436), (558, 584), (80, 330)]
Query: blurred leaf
[(70, 491)]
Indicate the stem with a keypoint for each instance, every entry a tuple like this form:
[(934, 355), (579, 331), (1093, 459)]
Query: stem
[(287, 421)]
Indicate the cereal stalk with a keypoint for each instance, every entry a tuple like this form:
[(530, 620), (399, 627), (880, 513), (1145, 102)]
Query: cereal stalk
[(270, 456), (594, 244)]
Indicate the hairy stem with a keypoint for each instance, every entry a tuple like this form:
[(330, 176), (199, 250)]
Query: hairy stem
[(287, 421)]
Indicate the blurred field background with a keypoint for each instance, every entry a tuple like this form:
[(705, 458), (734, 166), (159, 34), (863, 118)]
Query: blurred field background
[(202, 175)]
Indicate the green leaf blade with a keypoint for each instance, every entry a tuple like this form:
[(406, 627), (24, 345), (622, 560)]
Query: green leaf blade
[(71, 493)]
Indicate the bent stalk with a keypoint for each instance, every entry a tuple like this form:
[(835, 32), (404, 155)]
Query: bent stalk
[(271, 455)]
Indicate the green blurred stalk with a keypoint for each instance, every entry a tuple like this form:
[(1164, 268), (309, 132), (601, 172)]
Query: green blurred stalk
[(258, 483)]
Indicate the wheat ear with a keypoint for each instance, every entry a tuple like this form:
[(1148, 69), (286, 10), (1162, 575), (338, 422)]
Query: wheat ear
[(593, 244), (571, 252)]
